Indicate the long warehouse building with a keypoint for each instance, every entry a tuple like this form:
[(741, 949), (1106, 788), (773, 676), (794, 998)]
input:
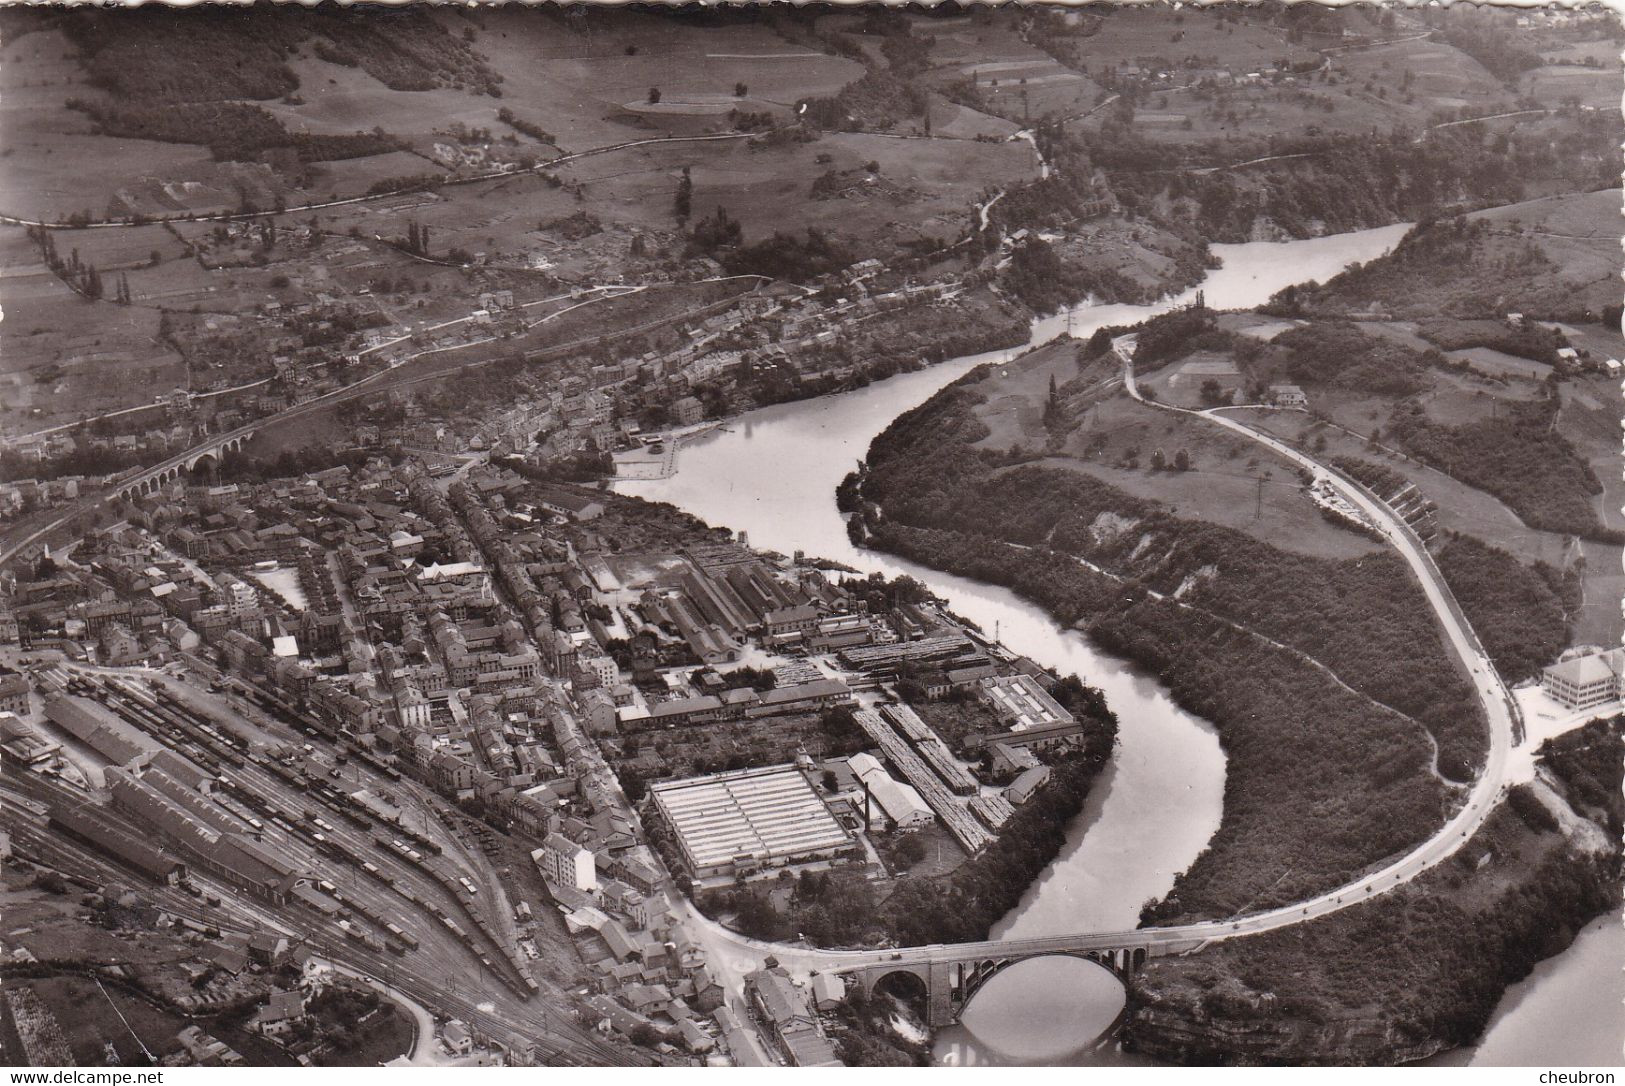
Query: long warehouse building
[(748, 819)]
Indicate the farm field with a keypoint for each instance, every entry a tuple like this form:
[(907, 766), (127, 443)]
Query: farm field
[(70, 356), (1113, 438), (575, 76), (1015, 79), (1440, 78), (922, 188), (1578, 232), (48, 145), (1147, 34), (1597, 87)]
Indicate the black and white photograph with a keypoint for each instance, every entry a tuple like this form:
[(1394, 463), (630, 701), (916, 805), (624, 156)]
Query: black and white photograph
[(763, 535)]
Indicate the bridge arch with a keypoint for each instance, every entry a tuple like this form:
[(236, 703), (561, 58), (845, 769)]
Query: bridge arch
[(951, 982), (969, 981), (913, 985)]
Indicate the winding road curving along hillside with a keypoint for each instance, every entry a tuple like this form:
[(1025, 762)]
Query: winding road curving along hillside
[(738, 954)]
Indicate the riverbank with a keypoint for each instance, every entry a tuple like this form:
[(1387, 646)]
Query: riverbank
[(1243, 634), (1524, 886)]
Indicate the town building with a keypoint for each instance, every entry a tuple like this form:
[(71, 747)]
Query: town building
[(1586, 682), (13, 693), (565, 863)]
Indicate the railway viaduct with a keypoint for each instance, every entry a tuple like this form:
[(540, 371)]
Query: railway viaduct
[(171, 470)]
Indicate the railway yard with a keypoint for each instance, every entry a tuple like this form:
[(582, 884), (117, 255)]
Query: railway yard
[(400, 895)]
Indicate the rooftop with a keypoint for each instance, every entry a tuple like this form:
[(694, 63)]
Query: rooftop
[(761, 813)]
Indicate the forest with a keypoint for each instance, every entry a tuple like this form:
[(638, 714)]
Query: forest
[(220, 54), (1519, 456), (1445, 271), (1339, 355), (1519, 612), (1588, 761), (1410, 973), (1343, 184), (1348, 614)]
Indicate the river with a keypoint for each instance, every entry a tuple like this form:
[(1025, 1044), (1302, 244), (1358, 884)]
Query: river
[(771, 474)]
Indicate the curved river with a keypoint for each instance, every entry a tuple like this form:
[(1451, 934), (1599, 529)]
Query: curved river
[(772, 474)]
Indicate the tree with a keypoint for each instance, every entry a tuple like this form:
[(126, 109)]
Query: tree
[(740, 90), (1158, 460), (654, 96), (684, 204), (1182, 460)]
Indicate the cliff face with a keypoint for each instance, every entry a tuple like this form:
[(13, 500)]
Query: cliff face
[(1190, 1036)]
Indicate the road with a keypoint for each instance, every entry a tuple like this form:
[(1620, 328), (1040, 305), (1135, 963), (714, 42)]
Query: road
[(732, 953)]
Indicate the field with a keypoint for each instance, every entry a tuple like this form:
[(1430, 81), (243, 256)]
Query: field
[(573, 76), (1012, 77), (1500, 363), (47, 145), (70, 356), (1578, 232), (922, 188), (1228, 483), (1440, 78), (1150, 34), (1556, 85)]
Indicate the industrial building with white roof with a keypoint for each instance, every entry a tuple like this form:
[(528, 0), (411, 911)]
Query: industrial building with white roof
[(745, 820)]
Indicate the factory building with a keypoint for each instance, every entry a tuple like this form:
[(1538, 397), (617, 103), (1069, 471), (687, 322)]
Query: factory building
[(746, 820)]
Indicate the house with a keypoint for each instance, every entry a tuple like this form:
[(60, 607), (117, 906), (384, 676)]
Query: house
[(620, 944), (572, 506), (695, 1039), (268, 949), (1025, 786), (687, 411), (13, 693), (1288, 396), (828, 990), (455, 1036), (1585, 682), (280, 1014), (782, 1008)]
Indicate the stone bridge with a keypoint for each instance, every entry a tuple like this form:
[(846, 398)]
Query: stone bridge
[(171, 470), (951, 974)]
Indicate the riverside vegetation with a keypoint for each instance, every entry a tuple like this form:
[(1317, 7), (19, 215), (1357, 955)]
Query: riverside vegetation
[(1416, 970), (1243, 633)]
